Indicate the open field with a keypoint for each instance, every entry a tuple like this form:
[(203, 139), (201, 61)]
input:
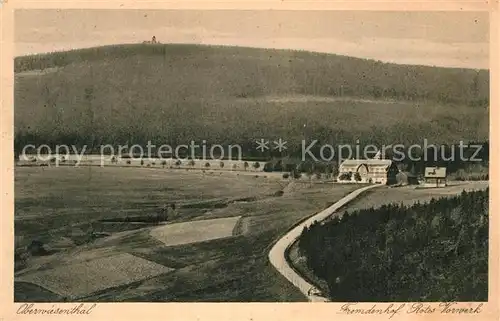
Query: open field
[(195, 231), (229, 269), (409, 194), (87, 277), (69, 199)]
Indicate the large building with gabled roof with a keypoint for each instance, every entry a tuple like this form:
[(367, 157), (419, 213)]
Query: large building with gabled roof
[(377, 171)]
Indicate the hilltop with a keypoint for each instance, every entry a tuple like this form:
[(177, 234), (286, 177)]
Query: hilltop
[(174, 93)]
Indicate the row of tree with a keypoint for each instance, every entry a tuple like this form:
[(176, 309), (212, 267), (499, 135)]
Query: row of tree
[(436, 251), (467, 161), (192, 163)]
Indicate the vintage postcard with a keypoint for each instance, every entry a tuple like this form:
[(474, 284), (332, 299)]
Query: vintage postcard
[(335, 159)]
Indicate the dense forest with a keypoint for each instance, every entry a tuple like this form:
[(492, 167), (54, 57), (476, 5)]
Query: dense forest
[(436, 251), (172, 94), (275, 71)]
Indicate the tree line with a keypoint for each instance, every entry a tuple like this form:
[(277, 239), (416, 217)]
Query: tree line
[(466, 163)]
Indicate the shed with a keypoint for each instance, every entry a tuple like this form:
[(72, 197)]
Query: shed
[(435, 177)]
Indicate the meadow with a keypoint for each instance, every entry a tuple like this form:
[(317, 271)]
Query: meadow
[(228, 269), (195, 231), (70, 198)]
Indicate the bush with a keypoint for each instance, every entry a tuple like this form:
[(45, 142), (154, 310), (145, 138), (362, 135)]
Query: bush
[(279, 193), (296, 174), (207, 164), (286, 175), (178, 162), (36, 248), (129, 162), (269, 167), (462, 175), (20, 259), (221, 164), (256, 165), (278, 167), (345, 176), (142, 162)]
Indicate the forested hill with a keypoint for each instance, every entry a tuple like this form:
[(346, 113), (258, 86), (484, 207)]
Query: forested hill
[(250, 72), (177, 93)]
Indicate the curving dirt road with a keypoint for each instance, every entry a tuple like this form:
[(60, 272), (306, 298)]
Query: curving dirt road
[(277, 253)]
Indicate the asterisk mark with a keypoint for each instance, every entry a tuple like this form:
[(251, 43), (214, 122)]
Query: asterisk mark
[(280, 144), (262, 144)]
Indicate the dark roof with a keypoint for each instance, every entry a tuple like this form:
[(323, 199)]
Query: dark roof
[(435, 172), (368, 162)]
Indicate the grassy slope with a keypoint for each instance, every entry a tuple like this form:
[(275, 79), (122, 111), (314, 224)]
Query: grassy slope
[(174, 93), (233, 269), (67, 197)]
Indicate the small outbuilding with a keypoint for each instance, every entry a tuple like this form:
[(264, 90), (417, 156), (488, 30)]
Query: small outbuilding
[(435, 177)]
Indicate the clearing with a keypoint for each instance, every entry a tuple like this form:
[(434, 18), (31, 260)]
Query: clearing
[(195, 231), (87, 277)]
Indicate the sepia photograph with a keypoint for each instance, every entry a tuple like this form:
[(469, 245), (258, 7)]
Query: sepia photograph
[(251, 156)]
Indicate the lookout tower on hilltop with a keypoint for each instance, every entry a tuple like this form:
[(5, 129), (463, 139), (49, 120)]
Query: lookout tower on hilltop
[(152, 41)]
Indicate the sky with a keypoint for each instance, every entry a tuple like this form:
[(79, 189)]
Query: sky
[(449, 39)]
